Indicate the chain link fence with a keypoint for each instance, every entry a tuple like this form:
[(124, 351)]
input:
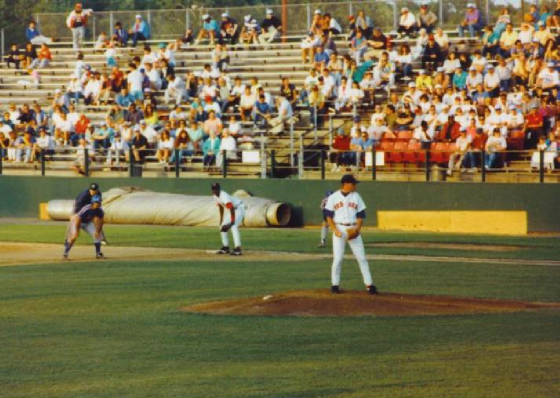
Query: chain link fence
[(173, 23)]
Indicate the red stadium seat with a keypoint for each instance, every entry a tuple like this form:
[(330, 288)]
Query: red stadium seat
[(437, 152), (404, 136), (515, 140), (413, 151), (397, 154), (389, 136)]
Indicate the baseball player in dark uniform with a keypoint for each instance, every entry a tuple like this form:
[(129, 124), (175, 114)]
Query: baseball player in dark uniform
[(84, 199), (90, 219)]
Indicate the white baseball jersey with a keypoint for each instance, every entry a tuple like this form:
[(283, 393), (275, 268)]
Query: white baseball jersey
[(345, 207), (224, 198)]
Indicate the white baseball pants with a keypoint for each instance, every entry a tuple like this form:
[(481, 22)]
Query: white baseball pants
[(239, 215), (357, 246)]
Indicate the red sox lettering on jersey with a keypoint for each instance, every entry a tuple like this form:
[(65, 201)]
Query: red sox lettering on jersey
[(345, 207)]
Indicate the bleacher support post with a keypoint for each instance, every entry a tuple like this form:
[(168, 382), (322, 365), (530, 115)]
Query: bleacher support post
[(541, 166), (373, 164), (273, 163), (130, 162), (94, 38), (150, 17), (331, 128), (177, 163), (315, 117), (42, 162), (323, 156), (291, 144), (86, 162), (300, 157), (224, 164), (482, 165), (263, 157), (1, 160), (440, 11), (111, 21), (427, 165), (187, 19), (3, 38), (350, 9), (308, 16)]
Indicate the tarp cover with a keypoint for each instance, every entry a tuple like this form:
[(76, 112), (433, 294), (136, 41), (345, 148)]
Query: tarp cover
[(131, 205)]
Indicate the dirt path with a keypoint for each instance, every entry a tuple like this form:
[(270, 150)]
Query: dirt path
[(12, 253)]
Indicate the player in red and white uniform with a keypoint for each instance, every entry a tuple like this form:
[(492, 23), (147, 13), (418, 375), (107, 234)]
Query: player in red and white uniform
[(345, 212), (232, 212)]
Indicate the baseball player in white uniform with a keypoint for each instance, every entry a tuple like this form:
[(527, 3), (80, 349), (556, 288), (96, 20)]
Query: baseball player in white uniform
[(345, 212), (231, 221), (324, 224)]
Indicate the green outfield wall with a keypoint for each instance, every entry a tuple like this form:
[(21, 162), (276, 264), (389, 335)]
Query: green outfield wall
[(20, 196)]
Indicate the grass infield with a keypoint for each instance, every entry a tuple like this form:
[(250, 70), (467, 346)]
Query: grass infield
[(113, 328)]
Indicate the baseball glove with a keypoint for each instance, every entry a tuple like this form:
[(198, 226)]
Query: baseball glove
[(352, 233), (225, 227)]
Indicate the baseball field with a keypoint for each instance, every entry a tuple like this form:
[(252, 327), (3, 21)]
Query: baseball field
[(457, 315)]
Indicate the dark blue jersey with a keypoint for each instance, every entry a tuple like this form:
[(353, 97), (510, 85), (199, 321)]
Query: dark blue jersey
[(87, 213), (83, 199)]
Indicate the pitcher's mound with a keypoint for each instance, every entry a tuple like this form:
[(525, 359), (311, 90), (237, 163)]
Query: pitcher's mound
[(358, 303)]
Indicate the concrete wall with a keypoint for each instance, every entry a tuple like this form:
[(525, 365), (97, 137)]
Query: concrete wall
[(20, 196)]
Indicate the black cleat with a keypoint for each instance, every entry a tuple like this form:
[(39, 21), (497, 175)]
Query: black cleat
[(99, 256), (335, 290), (372, 289), (236, 252), (223, 250), (321, 245), (65, 256)]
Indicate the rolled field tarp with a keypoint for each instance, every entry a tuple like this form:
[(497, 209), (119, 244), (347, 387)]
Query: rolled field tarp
[(131, 205)]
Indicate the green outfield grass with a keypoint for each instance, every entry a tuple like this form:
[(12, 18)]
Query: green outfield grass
[(114, 328)]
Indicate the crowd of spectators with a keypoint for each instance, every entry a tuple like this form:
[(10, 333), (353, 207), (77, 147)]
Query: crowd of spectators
[(501, 95)]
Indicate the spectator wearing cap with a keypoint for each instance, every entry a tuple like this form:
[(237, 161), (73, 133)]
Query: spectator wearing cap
[(176, 89), (492, 82), (548, 78), (140, 30), (76, 22), (210, 30), (118, 148), (407, 23), (472, 21), (250, 31), (271, 28), (427, 19), (229, 29)]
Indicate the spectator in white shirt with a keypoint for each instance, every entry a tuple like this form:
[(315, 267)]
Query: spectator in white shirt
[(119, 147), (229, 145), (135, 80), (548, 78), (492, 82), (176, 89), (407, 23)]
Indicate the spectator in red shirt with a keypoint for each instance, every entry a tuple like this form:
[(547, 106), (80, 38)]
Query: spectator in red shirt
[(449, 131), (341, 148), (533, 127), (80, 129)]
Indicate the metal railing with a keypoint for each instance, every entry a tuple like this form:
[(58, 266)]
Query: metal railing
[(264, 161)]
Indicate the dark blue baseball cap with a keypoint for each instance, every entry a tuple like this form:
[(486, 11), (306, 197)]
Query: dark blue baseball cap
[(348, 179)]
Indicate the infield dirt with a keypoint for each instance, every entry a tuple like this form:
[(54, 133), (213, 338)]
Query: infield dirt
[(309, 303)]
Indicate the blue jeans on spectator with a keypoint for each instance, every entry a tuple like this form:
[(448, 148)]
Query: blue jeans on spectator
[(492, 160), (137, 36), (473, 29), (208, 160), (182, 153)]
